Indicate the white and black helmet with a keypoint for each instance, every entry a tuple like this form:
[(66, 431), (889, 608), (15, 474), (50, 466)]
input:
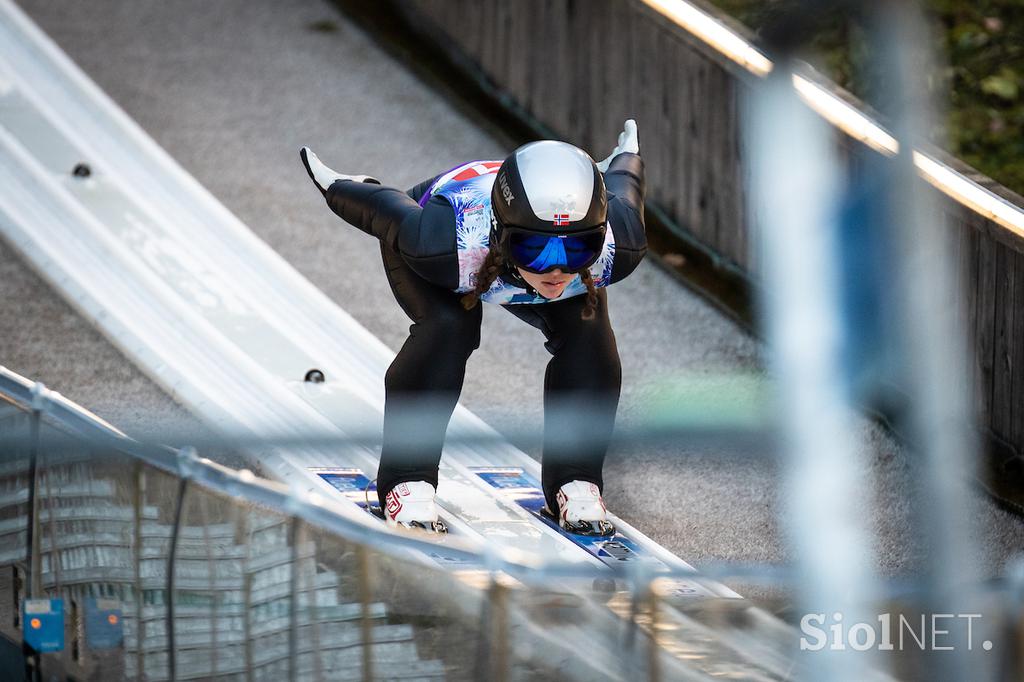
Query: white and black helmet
[(550, 208)]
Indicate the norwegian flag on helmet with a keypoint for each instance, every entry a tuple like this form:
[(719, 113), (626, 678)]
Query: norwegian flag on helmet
[(561, 219)]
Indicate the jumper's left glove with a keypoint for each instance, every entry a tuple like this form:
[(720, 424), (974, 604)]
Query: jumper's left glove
[(322, 176), (628, 142)]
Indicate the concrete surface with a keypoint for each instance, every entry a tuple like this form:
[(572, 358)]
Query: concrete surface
[(232, 89)]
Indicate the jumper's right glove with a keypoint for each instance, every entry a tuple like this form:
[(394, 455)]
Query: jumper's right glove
[(322, 176), (628, 142)]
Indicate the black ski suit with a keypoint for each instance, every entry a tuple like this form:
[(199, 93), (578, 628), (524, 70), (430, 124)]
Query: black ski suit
[(419, 250)]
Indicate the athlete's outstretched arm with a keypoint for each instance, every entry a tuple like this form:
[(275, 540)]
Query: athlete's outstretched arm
[(424, 237), (626, 187)]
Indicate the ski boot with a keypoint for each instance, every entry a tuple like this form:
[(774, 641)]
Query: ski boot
[(323, 176), (411, 505), (581, 510)]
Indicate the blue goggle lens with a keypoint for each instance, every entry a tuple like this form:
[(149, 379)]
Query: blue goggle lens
[(542, 253)]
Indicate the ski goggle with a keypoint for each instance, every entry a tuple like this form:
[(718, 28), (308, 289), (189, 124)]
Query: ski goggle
[(540, 253)]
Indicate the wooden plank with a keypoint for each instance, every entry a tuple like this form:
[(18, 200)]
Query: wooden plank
[(564, 88), (524, 35), (738, 202), (687, 139), (557, 82), (542, 71), (667, 108), (502, 53), (652, 51), (1015, 350), (594, 73), (709, 138), (488, 29), (967, 286), (470, 17), (447, 20), (577, 24), (717, 188), (620, 79), (698, 152), (1002, 343), (675, 142), (528, 35), (515, 64), (708, 125), (985, 331), (727, 190)]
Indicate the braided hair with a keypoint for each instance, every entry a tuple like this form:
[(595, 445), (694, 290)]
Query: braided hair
[(490, 269), (485, 276), (590, 310)]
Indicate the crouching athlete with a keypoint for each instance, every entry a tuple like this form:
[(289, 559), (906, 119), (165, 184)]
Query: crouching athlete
[(541, 234)]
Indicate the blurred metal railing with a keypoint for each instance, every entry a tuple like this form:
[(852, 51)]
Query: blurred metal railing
[(218, 573), (188, 505)]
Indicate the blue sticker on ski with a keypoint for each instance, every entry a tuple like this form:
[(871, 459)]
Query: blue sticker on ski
[(520, 487), (352, 483)]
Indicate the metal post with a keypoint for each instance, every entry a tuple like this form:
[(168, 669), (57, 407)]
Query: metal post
[(653, 671), (630, 662), (795, 190), (643, 604), (244, 532), (483, 646), (492, 658), (77, 633), (32, 541), (247, 623), (293, 606), (211, 571), (17, 588), (34, 563), (939, 411), (498, 628), (178, 512), (312, 602), (363, 568), (54, 553), (138, 497)]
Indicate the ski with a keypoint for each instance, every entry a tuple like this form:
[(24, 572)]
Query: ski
[(514, 484)]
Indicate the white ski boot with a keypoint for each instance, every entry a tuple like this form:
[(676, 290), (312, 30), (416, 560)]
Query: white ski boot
[(411, 505), (581, 510), (323, 176)]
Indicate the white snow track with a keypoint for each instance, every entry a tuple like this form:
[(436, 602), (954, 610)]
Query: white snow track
[(201, 304)]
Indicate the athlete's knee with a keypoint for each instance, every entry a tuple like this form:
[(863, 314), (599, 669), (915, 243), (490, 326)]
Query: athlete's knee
[(588, 362), (592, 338), (451, 329)]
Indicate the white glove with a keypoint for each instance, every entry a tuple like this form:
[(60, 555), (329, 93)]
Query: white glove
[(322, 176), (628, 142)]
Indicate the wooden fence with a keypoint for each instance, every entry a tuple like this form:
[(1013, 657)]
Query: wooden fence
[(581, 67)]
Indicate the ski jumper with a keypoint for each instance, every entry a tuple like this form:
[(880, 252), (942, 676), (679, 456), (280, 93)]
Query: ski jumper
[(433, 239)]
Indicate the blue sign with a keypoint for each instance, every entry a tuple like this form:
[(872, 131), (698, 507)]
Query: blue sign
[(351, 482), (44, 624), (505, 478), (103, 627)]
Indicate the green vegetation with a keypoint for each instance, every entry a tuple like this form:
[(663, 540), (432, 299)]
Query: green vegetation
[(981, 75)]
